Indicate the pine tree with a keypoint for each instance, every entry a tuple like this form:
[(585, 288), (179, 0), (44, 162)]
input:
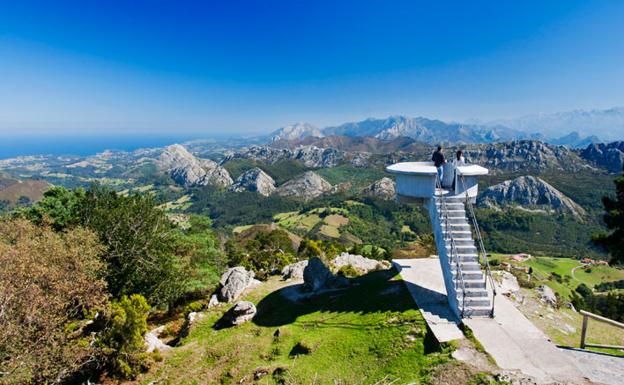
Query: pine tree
[(613, 242)]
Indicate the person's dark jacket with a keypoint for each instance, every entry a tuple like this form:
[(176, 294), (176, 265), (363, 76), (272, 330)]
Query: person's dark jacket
[(438, 158)]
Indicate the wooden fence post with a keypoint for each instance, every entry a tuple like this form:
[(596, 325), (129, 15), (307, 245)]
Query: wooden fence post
[(584, 330)]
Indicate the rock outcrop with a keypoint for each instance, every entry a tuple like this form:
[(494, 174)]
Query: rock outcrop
[(307, 186), (525, 155), (240, 313), (309, 156), (294, 270), (233, 283), (364, 265), (254, 180), (507, 284), (317, 276), (547, 295), (384, 188), (187, 170), (609, 156), (529, 193), (153, 342)]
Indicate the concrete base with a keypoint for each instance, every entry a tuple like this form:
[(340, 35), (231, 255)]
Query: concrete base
[(425, 283), (516, 344)]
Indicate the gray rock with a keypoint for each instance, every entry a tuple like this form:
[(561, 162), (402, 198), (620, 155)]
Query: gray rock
[(254, 180), (365, 265), (152, 341), (384, 188), (214, 301), (193, 317), (308, 186), (187, 170), (609, 156), (547, 295), (310, 156), (507, 284), (240, 313), (233, 283), (317, 276), (530, 193), (294, 270)]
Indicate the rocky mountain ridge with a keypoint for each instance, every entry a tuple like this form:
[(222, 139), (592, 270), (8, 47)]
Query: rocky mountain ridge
[(187, 170), (609, 156), (254, 180), (529, 193)]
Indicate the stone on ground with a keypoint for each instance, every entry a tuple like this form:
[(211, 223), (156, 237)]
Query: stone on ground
[(365, 265), (233, 283), (294, 270), (240, 313), (547, 295), (152, 341), (317, 276)]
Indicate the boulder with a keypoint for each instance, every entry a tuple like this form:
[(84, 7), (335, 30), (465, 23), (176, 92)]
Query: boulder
[(233, 283), (547, 295), (214, 301), (294, 270), (507, 284), (359, 262), (317, 276), (240, 313)]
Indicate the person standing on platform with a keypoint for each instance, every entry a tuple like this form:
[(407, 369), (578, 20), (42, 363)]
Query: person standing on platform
[(438, 162)]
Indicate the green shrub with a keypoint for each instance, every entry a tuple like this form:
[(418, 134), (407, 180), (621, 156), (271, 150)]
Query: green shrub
[(349, 271), (122, 340)]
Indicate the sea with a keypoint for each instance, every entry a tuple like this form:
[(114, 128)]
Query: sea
[(17, 145)]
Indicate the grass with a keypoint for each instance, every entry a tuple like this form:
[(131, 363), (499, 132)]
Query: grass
[(563, 326), (358, 177), (327, 221), (369, 333), (543, 267)]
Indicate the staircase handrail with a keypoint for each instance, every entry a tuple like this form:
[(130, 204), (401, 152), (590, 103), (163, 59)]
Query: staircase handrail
[(475, 224), (453, 248)]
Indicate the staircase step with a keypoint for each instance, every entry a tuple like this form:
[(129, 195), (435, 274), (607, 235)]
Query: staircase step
[(476, 293), (473, 302), (469, 283), (467, 266), (477, 311), (469, 275)]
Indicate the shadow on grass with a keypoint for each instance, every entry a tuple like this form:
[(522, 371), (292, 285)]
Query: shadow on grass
[(371, 293)]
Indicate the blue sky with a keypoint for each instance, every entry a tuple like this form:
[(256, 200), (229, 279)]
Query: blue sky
[(224, 68)]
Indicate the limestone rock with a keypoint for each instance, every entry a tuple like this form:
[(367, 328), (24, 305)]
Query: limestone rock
[(187, 170), (152, 341), (214, 301), (529, 193), (384, 188), (366, 265), (240, 313), (547, 295), (308, 186), (609, 156), (317, 276), (507, 284), (294, 270), (233, 283), (254, 180)]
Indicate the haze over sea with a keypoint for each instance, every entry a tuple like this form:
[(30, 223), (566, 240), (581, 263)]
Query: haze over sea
[(32, 144)]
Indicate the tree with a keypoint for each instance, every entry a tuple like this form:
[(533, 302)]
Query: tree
[(50, 289), (613, 242), (140, 241)]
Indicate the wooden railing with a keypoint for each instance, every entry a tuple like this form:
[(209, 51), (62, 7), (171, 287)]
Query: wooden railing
[(586, 316)]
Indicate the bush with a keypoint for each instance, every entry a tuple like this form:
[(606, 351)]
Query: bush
[(122, 341), (349, 271), (50, 289)]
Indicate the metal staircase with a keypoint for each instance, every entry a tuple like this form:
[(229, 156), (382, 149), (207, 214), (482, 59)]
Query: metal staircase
[(470, 290)]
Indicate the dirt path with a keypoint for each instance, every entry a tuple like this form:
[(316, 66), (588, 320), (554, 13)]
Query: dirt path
[(573, 269)]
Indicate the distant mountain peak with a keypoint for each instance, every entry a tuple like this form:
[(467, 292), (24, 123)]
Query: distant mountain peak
[(296, 131)]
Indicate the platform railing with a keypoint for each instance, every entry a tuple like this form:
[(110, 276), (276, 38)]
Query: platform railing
[(586, 316), (449, 236), (477, 230)]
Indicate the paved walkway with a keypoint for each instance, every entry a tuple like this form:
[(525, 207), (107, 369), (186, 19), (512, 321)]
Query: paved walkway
[(598, 367), (510, 338), (424, 281)]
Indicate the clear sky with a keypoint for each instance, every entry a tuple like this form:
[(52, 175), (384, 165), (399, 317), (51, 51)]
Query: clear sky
[(229, 67)]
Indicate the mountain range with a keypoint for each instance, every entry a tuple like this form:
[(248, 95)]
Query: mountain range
[(581, 129)]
